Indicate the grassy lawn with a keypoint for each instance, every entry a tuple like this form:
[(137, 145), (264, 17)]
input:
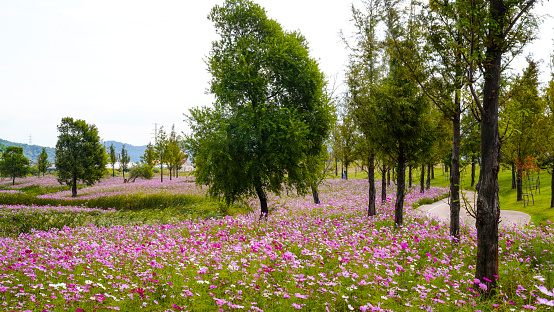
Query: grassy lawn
[(540, 212)]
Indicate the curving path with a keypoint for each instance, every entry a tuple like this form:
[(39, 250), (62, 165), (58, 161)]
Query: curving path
[(441, 210)]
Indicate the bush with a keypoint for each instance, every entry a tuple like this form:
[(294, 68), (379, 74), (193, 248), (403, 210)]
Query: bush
[(141, 171)]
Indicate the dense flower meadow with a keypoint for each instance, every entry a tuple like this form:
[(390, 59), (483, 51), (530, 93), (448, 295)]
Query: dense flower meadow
[(115, 187), (46, 181), (328, 257)]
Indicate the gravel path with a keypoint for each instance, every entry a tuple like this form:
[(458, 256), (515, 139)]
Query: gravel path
[(441, 209)]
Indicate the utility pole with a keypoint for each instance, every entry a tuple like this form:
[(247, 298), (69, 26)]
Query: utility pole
[(30, 140)]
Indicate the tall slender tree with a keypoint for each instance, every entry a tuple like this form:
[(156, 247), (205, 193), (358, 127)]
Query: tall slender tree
[(112, 159), (124, 160), (364, 73), (42, 162), (161, 150)]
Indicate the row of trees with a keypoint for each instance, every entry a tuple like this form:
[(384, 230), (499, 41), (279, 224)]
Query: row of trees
[(413, 67), (451, 52), (167, 150), (14, 164)]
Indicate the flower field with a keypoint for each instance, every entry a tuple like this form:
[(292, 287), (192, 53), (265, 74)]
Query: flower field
[(114, 187), (328, 257)]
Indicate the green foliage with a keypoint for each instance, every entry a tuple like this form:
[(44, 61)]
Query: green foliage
[(42, 161), (79, 154), (175, 157), (149, 211), (13, 164), (143, 171), (271, 111), (112, 159), (124, 160), (345, 138), (149, 156), (523, 118), (161, 149)]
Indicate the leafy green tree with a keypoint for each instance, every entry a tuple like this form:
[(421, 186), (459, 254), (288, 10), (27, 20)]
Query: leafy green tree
[(13, 164), (79, 153), (174, 154), (149, 156), (124, 160), (471, 142), (402, 113), (345, 137), (506, 27), (364, 73), (143, 171), (271, 111), (42, 162), (523, 119), (548, 154), (160, 147), (112, 159)]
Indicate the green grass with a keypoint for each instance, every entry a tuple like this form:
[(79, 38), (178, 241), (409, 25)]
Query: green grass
[(540, 211), (196, 208)]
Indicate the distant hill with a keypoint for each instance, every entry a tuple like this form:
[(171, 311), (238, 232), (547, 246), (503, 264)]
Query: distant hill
[(32, 151), (134, 151)]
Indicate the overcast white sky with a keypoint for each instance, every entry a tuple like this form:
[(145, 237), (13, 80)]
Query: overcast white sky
[(125, 65)]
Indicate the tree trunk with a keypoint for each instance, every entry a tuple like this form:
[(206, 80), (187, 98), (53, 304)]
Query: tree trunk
[(336, 167), (455, 173), (315, 194), (383, 184), (346, 171), (113, 171), (263, 201), (422, 179), (74, 187), (519, 184), (428, 184), (514, 184), (552, 188), (488, 210), (473, 165), (388, 177), (410, 177), (371, 180), (13, 180), (432, 172), (400, 189), (162, 170)]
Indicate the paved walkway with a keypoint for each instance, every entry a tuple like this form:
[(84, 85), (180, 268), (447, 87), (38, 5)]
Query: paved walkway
[(441, 209)]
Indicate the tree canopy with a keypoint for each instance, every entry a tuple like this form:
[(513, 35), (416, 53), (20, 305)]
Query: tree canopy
[(13, 164), (271, 111), (79, 154)]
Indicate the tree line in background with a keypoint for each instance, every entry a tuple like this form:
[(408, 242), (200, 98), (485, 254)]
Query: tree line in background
[(427, 83), (80, 156)]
